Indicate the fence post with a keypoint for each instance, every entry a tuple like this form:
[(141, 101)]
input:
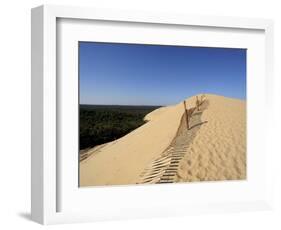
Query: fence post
[(186, 115), (197, 103)]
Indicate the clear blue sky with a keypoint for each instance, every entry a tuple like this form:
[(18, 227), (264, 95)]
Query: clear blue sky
[(134, 74)]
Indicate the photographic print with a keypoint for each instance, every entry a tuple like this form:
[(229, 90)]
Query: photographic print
[(153, 114)]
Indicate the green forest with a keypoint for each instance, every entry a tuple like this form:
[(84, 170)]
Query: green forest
[(100, 124)]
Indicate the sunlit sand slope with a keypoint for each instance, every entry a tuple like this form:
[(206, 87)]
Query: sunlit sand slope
[(163, 150), (122, 161), (218, 150)]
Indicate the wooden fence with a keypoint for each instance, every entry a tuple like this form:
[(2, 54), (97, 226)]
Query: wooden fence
[(188, 112)]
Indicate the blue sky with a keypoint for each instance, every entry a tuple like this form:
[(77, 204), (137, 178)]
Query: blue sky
[(135, 74)]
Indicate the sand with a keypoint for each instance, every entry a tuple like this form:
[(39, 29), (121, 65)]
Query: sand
[(122, 161), (215, 146), (218, 151)]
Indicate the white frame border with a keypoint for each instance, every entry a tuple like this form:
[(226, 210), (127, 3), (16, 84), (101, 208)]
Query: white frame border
[(43, 157)]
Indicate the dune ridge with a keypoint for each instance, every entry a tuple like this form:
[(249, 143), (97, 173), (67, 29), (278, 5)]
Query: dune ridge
[(164, 168), (215, 147)]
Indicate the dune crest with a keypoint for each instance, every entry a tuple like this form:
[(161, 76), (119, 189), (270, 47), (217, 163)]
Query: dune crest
[(213, 149)]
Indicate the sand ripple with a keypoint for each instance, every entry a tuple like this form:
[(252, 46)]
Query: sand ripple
[(218, 152)]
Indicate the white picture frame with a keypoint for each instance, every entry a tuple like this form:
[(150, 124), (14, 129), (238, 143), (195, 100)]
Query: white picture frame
[(48, 177)]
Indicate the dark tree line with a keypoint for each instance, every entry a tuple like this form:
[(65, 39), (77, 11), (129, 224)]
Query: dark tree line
[(102, 124)]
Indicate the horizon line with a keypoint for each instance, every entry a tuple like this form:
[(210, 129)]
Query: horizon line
[(238, 98)]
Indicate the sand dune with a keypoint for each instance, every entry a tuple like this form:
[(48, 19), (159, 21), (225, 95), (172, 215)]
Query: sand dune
[(122, 161), (213, 149), (218, 151)]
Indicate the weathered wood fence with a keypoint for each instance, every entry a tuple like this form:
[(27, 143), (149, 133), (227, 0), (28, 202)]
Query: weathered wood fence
[(188, 112)]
